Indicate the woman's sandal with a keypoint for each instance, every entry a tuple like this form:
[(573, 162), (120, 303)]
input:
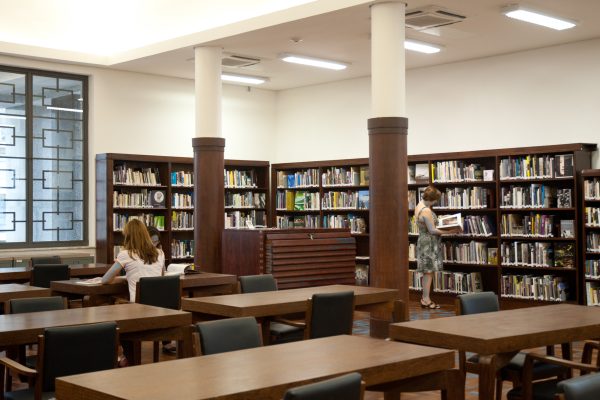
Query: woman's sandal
[(431, 305)]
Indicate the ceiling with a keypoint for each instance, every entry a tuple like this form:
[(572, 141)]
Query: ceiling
[(326, 29)]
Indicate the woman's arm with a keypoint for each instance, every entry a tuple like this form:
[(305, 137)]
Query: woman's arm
[(112, 273), (428, 220)]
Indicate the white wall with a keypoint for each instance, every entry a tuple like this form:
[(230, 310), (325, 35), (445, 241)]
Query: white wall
[(149, 114), (545, 96)]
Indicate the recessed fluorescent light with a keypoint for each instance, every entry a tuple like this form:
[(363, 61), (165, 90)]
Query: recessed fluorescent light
[(313, 62), (64, 109), (536, 17), (253, 80), (421, 47)]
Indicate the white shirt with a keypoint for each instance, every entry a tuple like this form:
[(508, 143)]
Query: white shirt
[(136, 269)]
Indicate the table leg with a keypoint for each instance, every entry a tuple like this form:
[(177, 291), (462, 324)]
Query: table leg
[(265, 327), (487, 376)]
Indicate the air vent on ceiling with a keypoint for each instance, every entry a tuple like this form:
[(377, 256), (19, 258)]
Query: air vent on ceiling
[(431, 17), (235, 61)]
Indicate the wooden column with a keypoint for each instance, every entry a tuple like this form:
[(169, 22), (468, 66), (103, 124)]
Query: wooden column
[(388, 215), (209, 201)]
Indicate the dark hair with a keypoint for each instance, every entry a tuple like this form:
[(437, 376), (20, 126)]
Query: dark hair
[(153, 231), (431, 194)]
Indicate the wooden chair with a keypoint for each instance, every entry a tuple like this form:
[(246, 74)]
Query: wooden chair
[(280, 332), (482, 302), (159, 291), (329, 314), (64, 351), (347, 387), (534, 389), (585, 387), (229, 334), (43, 274)]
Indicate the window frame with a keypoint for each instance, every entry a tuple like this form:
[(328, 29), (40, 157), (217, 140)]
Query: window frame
[(29, 243)]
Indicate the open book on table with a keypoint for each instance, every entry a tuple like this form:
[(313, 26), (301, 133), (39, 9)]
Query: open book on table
[(182, 269), (450, 221)]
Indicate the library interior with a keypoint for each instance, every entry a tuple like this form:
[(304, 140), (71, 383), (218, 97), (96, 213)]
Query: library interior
[(300, 199)]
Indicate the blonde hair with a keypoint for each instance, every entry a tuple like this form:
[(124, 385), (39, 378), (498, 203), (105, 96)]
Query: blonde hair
[(137, 242), (431, 194)]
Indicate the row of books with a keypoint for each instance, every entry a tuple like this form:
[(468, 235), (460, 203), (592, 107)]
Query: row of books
[(123, 175), (592, 216), (534, 287), (592, 269), (538, 254), (465, 253), (120, 220), (456, 171), (591, 189), (340, 176), (536, 167), (535, 196), (245, 200), (299, 179), (592, 292), (534, 225), (448, 282), (475, 197), (303, 221), (346, 200), (182, 178), (182, 220), (478, 225), (182, 248), (239, 178), (143, 199), (182, 200), (356, 224), (297, 200), (241, 219), (593, 242)]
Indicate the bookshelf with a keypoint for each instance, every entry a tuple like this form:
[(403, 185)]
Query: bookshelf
[(590, 246), (246, 193), (160, 191), (324, 194)]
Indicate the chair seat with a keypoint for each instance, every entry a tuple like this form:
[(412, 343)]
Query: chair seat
[(284, 333), (545, 390), (540, 369), (27, 394)]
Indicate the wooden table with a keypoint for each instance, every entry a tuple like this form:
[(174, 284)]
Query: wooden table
[(264, 372), (263, 305), (498, 336), (11, 291), (205, 283), (23, 274), (135, 321)]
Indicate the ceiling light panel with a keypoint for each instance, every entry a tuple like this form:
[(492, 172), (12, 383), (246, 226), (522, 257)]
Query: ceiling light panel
[(314, 62), (537, 17)]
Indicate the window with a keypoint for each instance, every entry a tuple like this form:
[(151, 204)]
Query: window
[(43, 159)]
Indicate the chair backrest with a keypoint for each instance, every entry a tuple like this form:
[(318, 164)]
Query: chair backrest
[(228, 334), (347, 387), (476, 303), (258, 283), (45, 260), (43, 274), (329, 314), (585, 387), (160, 291), (34, 304), (78, 349)]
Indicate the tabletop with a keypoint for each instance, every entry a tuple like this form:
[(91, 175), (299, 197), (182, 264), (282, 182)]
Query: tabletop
[(9, 274), (11, 291), (264, 372)]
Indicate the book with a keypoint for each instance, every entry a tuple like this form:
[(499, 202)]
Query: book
[(364, 175), (157, 198), (563, 198), (567, 229), (411, 174), (361, 273), (449, 221), (564, 166), (492, 255), (422, 173), (363, 199), (181, 269), (488, 175), (476, 285), (564, 255), (299, 201)]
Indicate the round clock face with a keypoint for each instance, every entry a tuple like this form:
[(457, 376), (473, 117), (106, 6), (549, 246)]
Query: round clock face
[(159, 197)]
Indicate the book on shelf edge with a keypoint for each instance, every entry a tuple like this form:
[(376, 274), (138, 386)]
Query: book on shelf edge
[(449, 221), (422, 173)]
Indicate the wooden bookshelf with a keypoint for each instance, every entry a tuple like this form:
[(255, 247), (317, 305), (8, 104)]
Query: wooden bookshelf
[(175, 214), (590, 232)]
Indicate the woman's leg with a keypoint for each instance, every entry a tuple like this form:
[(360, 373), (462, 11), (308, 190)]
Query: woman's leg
[(427, 280)]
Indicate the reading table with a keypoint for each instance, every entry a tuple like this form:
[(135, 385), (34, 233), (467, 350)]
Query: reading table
[(11, 291), (23, 274), (263, 305), (267, 372), (498, 336)]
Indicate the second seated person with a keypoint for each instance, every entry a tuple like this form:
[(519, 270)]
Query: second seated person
[(139, 257)]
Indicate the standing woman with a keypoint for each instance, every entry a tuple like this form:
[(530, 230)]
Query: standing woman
[(429, 244), (139, 257)]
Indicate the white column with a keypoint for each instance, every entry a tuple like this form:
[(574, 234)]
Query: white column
[(388, 76), (208, 91)]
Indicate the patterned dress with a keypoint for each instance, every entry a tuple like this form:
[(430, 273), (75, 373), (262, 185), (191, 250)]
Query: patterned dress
[(429, 247)]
